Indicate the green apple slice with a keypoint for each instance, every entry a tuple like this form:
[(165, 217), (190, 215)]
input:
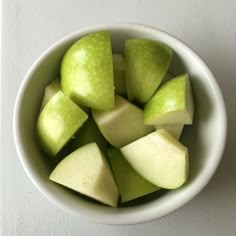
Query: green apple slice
[(131, 185), (88, 133), (147, 62), (119, 74), (123, 124), (174, 130), (87, 72), (159, 158), (57, 123), (87, 171), (171, 104)]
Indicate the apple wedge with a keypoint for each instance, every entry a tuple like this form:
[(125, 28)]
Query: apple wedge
[(171, 104), (131, 185), (57, 123), (87, 171), (119, 74), (88, 133), (159, 158), (174, 130), (87, 72), (147, 62), (123, 124)]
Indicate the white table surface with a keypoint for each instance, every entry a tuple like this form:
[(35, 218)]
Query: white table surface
[(29, 27)]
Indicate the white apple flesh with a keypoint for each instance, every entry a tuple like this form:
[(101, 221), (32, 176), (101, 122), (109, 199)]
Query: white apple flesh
[(174, 130), (159, 158)]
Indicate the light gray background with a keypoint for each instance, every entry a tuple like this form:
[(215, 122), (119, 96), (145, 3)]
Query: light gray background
[(29, 27)]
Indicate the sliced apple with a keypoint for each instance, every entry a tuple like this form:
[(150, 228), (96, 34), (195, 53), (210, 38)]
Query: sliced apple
[(171, 104), (159, 158), (87, 72), (88, 133), (147, 62), (174, 130), (119, 74), (57, 123), (86, 171), (123, 124), (131, 185)]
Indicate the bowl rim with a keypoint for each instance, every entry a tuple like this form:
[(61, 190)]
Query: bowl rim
[(203, 179)]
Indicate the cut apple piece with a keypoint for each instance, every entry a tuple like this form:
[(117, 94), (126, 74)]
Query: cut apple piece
[(131, 185), (119, 74), (159, 158), (123, 124), (171, 104), (174, 130), (57, 123), (86, 171), (87, 72), (147, 62), (88, 133)]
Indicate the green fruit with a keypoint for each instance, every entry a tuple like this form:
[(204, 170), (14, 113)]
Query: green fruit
[(146, 65), (119, 74), (57, 123), (86, 171), (159, 158), (174, 130), (171, 104), (123, 124), (87, 72), (131, 185), (89, 133)]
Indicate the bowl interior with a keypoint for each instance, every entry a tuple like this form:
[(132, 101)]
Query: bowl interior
[(204, 138)]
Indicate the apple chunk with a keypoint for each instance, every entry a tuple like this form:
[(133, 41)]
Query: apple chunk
[(87, 72), (147, 62), (123, 124), (159, 158), (171, 104), (174, 130), (86, 171), (131, 185), (57, 123)]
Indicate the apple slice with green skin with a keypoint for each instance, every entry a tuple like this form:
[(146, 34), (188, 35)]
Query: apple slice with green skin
[(147, 62), (131, 185), (87, 72), (174, 130), (119, 74), (171, 104), (123, 124), (88, 133), (87, 171), (57, 123), (159, 158)]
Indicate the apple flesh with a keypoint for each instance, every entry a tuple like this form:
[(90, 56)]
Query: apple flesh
[(147, 62), (159, 158), (131, 185), (174, 130), (87, 72), (171, 104), (87, 171), (88, 133), (57, 123), (123, 124), (119, 74)]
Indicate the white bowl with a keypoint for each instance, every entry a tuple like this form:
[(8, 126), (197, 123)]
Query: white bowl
[(205, 138)]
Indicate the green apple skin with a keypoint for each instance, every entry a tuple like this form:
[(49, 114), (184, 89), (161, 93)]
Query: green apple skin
[(119, 74), (147, 62), (159, 158), (87, 171), (123, 124), (87, 72), (174, 130), (88, 133), (131, 185), (57, 123), (171, 104)]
